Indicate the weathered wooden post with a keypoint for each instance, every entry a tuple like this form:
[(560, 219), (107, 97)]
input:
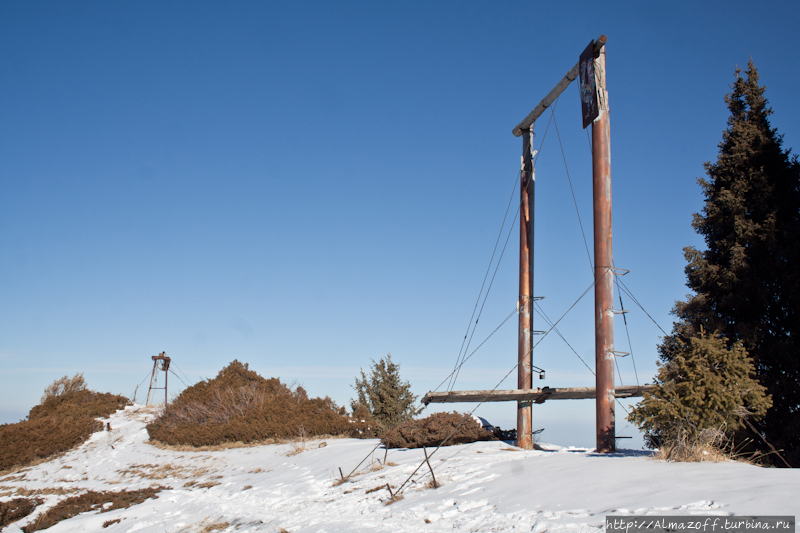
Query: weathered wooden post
[(525, 343), (603, 263)]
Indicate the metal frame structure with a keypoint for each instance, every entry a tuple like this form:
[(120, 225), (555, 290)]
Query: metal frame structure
[(164, 360), (604, 392)]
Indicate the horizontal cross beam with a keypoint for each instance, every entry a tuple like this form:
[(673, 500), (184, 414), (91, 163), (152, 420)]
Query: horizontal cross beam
[(555, 92), (530, 395)]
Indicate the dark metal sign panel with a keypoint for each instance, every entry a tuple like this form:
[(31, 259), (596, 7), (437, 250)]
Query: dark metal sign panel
[(590, 108)]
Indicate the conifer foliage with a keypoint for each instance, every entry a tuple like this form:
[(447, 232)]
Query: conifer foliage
[(384, 395), (708, 385), (746, 283)]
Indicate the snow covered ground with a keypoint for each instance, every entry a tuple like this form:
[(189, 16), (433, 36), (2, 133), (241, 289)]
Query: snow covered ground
[(486, 486)]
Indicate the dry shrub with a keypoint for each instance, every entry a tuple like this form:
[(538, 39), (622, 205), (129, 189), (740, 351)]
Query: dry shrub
[(431, 431), (707, 445), (16, 509), (432, 484), (55, 426), (91, 501), (84, 403), (239, 405), (64, 385), (394, 498), (22, 491)]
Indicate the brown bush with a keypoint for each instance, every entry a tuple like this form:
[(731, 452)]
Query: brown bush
[(91, 501), (83, 403), (431, 431), (16, 509), (240, 405), (57, 425)]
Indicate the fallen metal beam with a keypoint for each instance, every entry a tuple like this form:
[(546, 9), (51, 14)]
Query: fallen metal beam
[(555, 92), (530, 395)]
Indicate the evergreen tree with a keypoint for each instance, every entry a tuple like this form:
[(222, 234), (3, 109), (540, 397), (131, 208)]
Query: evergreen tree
[(387, 398), (709, 384), (747, 282)]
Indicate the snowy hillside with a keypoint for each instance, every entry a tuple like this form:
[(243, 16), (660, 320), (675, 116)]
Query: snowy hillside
[(486, 486)]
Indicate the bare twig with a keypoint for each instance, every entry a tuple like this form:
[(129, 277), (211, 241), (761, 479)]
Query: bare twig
[(765, 440)]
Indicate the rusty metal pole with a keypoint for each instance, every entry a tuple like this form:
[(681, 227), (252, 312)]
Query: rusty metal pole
[(525, 343), (603, 263), (166, 381)]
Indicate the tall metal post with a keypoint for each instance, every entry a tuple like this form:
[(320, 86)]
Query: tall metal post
[(525, 344), (603, 264)]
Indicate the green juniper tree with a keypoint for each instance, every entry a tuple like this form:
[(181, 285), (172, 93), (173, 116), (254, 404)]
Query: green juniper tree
[(708, 384), (384, 395), (746, 283)]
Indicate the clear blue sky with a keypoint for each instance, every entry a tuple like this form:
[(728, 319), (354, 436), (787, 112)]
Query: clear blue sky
[(306, 186)]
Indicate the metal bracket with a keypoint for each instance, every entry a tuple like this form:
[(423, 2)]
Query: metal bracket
[(621, 354)]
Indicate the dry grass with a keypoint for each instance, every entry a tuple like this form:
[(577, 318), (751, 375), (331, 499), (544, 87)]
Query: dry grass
[(47, 491), (341, 481), (431, 484), (207, 484), (238, 444), (247, 487), (297, 448), (158, 472), (395, 498), (16, 509), (90, 501), (111, 522), (375, 467), (709, 445), (24, 467), (216, 447), (217, 526)]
